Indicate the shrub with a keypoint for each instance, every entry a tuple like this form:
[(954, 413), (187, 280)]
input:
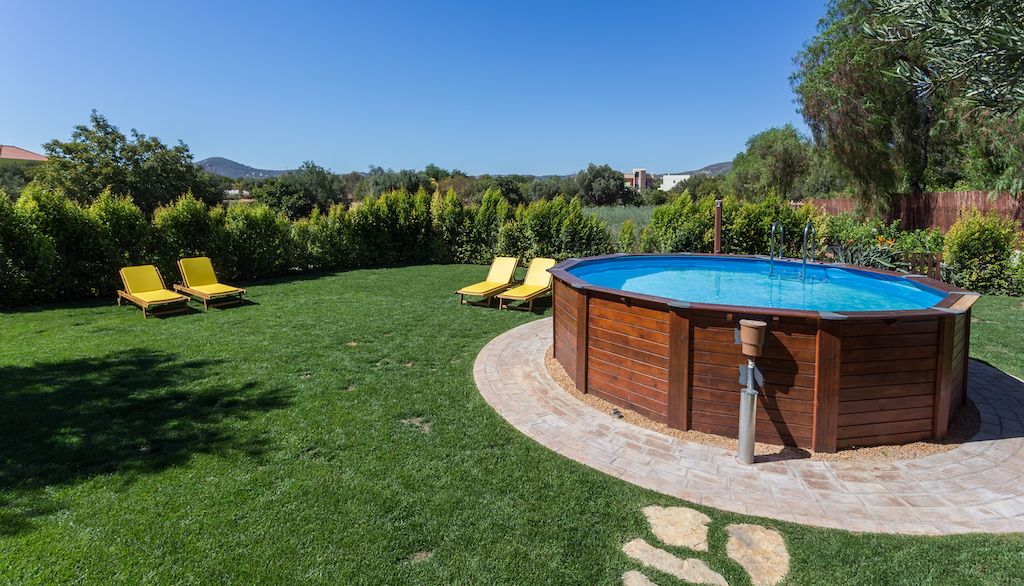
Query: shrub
[(186, 228), (26, 257), (927, 240), (627, 237), (259, 240), (125, 233), (681, 226), (451, 219), (979, 250), (394, 228), (76, 237), (323, 241)]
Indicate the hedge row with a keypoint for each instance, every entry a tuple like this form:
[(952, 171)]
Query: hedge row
[(52, 248)]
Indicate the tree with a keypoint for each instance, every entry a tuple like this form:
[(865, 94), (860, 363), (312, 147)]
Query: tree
[(100, 156), (14, 175), (975, 47), (551, 187), (602, 185), (776, 159), (873, 125), (381, 181), (298, 193)]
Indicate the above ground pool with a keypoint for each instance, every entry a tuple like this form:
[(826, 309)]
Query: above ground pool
[(758, 283), (854, 356)]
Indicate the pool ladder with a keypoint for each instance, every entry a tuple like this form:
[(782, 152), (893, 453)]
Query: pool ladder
[(776, 227), (814, 236)]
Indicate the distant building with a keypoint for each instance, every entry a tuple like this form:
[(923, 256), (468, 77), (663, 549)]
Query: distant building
[(670, 180), (15, 153), (638, 180)]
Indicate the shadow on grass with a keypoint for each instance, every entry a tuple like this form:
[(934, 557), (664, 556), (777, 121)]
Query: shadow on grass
[(133, 414)]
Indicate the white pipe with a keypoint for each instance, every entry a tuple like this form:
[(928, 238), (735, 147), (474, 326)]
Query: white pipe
[(748, 417)]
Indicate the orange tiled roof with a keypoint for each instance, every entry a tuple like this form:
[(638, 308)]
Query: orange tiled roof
[(13, 152)]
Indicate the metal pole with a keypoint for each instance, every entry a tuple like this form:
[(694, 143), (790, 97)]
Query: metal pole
[(718, 226), (748, 417)]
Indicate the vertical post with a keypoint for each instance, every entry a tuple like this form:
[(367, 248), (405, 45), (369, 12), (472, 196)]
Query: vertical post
[(582, 312), (944, 376), (679, 369), (826, 385), (967, 353), (718, 226)]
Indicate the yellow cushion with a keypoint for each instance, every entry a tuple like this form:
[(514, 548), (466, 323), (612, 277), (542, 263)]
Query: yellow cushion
[(503, 270), (538, 273), (158, 296), (141, 278), (523, 292), (217, 289), (197, 272), (484, 288)]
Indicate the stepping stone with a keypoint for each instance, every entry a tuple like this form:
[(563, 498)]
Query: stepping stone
[(761, 551), (679, 526), (690, 570), (635, 578)]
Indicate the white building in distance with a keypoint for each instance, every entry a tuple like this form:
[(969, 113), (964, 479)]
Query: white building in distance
[(670, 180)]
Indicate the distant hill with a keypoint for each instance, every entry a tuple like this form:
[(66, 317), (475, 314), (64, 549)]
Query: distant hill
[(235, 170), (714, 169)]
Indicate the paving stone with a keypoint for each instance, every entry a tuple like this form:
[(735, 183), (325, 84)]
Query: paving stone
[(690, 570), (977, 487), (679, 526), (635, 578), (761, 551)]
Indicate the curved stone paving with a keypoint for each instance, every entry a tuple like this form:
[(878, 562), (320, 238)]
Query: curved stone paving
[(977, 487)]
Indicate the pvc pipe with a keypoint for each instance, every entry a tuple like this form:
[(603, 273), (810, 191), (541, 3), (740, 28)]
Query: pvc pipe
[(748, 417)]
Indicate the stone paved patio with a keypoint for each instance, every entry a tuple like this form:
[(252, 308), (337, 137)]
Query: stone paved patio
[(977, 487)]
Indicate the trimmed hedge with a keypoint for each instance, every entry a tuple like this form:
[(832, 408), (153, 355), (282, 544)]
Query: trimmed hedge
[(52, 248)]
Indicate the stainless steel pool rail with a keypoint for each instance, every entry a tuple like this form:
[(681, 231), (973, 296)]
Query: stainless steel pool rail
[(771, 245), (814, 236)]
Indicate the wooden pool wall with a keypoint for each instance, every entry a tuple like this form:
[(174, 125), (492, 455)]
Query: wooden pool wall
[(831, 381)]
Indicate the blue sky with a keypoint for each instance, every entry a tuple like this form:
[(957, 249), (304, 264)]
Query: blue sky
[(500, 87)]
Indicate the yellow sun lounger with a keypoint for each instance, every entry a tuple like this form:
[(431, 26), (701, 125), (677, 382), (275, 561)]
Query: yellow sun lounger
[(499, 278), (144, 287), (536, 284), (201, 282)]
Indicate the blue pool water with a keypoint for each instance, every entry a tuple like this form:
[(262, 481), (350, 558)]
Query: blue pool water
[(739, 281)]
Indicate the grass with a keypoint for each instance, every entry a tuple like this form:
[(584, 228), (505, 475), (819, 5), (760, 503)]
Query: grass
[(616, 216), (267, 444)]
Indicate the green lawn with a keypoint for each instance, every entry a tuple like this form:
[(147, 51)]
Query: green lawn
[(265, 444)]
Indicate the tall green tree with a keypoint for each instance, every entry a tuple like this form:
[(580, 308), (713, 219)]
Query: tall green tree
[(601, 185), (875, 127), (99, 156), (776, 160), (298, 193), (973, 47)]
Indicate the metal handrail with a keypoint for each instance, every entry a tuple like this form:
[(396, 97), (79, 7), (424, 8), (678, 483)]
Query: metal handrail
[(814, 236), (771, 245)]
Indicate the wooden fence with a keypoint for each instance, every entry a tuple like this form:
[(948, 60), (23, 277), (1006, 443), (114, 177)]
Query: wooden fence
[(937, 209)]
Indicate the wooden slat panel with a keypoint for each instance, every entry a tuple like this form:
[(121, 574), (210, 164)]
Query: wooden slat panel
[(622, 327), (726, 425), (943, 376), (680, 359), (888, 378), (883, 404), (648, 413), (732, 408), (732, 371), (885, 366), (657, 325), (887, 391), (610, 382), (883, 416), (883, 353), (600, 302), (766, 363), (770, 351), (890, 428), (640, 366), (623, 371), (876, 329), (632, 341), (896, 341), (777, 402), (769, 388), (827, 384), (660, 360)]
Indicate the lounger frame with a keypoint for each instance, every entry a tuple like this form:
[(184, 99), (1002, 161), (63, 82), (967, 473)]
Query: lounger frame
[(148, 308), (215, 300)]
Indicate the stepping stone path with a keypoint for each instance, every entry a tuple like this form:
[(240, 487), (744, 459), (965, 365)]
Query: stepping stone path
[(679, 526), (759, 550)]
